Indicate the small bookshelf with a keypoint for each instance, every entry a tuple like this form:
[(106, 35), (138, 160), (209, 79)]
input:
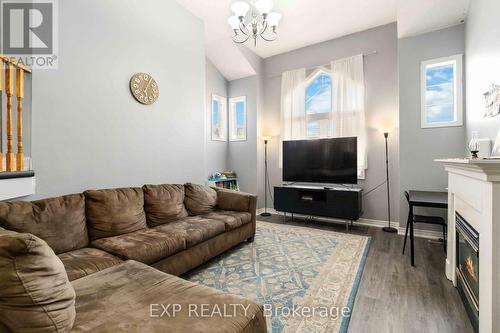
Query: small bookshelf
[(230, 183)]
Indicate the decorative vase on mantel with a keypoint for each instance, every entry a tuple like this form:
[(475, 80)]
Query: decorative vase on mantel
[(474, 145)]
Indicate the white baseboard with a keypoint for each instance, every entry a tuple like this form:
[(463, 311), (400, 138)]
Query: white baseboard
[(430, 234)]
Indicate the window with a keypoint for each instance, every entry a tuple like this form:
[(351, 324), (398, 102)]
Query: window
[(441, 92), (238, 119), (319, 104), (219, 116)]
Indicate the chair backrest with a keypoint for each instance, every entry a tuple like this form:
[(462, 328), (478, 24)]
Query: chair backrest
[(407, 195)]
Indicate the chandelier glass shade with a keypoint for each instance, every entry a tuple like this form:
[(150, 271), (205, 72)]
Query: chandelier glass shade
[(261, 22)]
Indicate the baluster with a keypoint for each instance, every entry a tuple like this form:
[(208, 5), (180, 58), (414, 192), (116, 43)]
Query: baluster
[(20, 95), (1, 115), (9, 91)]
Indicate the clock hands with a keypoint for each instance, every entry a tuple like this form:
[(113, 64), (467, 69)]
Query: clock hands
[(147, 85)]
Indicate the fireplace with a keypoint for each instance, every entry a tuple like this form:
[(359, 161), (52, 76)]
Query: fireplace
[(467, 243)]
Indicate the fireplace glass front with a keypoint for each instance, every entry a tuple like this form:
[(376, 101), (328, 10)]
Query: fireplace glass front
[(468, 267)]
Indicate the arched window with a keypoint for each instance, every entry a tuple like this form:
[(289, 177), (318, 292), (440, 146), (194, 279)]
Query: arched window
[(319, 104)]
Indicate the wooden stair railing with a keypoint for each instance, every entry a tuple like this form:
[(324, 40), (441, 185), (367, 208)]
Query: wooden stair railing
[(20, 95), (9, 91), (11, 163), (1, 116)]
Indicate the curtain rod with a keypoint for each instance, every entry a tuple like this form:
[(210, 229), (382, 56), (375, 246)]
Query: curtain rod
[(328, 64)]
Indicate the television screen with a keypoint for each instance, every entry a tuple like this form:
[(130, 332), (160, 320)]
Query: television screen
[(321, 161)]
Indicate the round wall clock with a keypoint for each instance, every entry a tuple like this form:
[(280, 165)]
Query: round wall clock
[(144, 88)]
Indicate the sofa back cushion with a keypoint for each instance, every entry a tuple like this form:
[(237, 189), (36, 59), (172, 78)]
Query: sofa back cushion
[(58, 221), (35, 294), (200, 199), (114, 212), (164, 203)]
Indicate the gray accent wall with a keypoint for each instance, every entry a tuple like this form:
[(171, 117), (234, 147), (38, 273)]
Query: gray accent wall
[(419, 147), (482, 40), (216, 151), (381, 80), (246, 157), (242, 155), (88, 131)]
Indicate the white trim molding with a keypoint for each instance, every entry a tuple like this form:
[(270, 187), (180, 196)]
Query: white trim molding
[(457, 63), (233, 135), (12, 188)]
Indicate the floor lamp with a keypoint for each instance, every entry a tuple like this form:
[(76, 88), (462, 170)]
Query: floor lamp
[(389, 228), (266, 139)]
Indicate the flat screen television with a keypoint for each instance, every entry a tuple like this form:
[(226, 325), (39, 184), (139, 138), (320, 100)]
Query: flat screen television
[(321, 161)]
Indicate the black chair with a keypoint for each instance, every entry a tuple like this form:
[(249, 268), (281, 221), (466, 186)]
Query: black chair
[(412, 218)]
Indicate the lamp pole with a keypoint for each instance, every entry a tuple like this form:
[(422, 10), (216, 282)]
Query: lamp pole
[(389, 228), (265, 213)]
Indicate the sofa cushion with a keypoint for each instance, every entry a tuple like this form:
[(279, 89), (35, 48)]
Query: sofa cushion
[(231, 219), (147, 246), (104, 304), (35, 294), (114, 212), (164, 203), (87, 261), (193, 229), (199, 199), (58, 221)]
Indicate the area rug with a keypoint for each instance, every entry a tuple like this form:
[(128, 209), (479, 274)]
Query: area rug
[(306, 278)]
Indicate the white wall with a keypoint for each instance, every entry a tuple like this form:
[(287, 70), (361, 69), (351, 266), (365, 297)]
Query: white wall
[(216, 151), (419, 147), (381, 105), (88, 131), (482, 40)]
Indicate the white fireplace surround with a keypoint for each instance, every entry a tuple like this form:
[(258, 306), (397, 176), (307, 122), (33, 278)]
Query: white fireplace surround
[(474, 192)]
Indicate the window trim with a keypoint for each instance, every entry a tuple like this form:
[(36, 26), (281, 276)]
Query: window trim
[(457, 61), (222, 117), (232, 117)]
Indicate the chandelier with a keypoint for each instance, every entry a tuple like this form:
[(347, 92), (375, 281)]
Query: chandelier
[(261, 25)]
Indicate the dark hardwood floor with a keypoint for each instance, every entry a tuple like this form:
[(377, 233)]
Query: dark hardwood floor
[(395, 297)]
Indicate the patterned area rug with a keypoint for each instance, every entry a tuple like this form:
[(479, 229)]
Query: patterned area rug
[(306, 278)]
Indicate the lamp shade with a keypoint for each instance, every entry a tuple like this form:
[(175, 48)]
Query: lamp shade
[(234, 22), (266, 137), (240, 8), (264, 6), (273, 19)]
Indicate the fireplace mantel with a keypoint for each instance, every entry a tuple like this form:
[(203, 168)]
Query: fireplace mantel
[(474, 192)]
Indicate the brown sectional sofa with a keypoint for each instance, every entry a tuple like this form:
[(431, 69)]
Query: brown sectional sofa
[(108, 240)]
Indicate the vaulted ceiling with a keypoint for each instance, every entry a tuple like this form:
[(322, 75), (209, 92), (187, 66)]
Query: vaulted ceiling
[(307, 22)]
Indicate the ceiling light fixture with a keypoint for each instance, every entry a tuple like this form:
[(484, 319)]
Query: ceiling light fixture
[(261, 25)]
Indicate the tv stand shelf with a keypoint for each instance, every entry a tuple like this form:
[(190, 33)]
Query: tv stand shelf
[(335, 202)]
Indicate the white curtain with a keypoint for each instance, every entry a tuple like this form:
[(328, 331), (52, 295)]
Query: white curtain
[(293, 107), (348, 104)]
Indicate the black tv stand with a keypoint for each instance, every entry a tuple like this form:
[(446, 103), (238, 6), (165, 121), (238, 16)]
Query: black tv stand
[(335, 202)]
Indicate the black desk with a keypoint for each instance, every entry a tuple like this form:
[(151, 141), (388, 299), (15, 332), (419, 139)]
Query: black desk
[(424, 199)]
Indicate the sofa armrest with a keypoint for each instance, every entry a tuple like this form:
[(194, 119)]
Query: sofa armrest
[(237, 201)]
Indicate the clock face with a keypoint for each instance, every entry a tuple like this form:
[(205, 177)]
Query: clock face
[(144, 88)]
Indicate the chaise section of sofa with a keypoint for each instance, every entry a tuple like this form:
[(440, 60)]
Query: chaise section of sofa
[(128, 297), (103, 304)]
